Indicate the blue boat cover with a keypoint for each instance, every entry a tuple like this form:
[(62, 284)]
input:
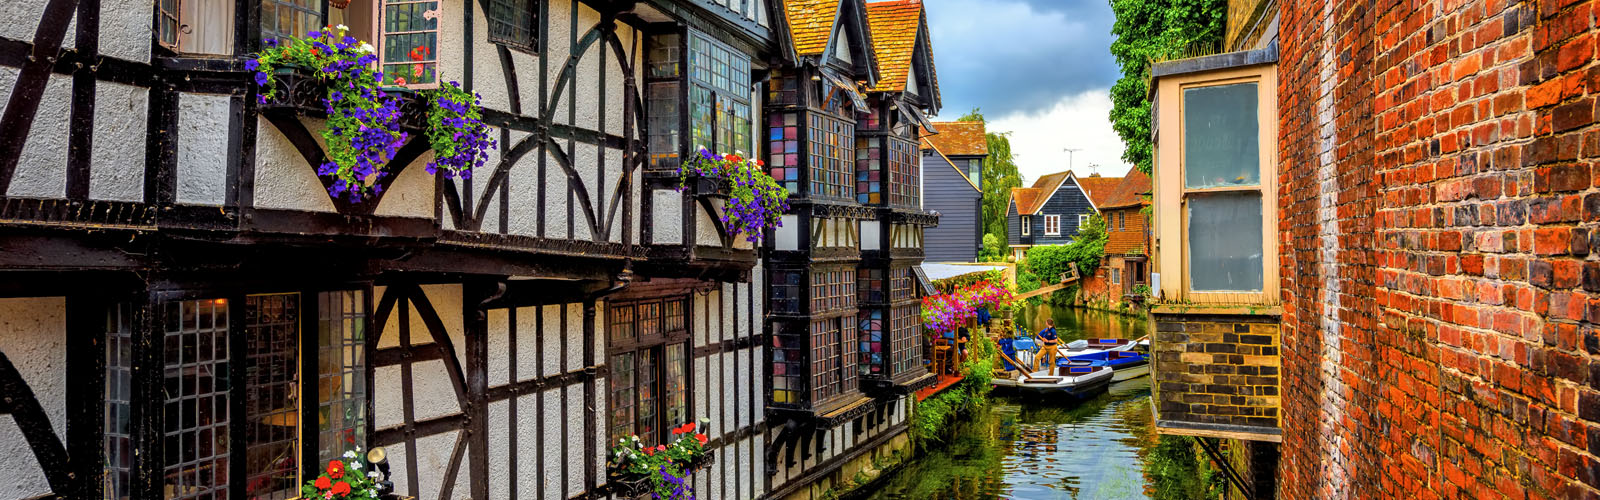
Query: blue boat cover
[(1113, 359)]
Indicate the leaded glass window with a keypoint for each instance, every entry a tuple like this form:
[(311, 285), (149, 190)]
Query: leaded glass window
[(284, 19), (649, 385), (786, 291), (272, 403), (783, 149), (832, 142), (118, 440), (904, 340), (904, 188), (871, 335), (869, 169), (342, 372), (511, 22), (788, 363), (196, 394)]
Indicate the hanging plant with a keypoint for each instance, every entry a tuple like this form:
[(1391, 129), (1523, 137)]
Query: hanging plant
[(945, 313), (363, 130), (663, 470), (350, 478), (755, 203), (456, 131)]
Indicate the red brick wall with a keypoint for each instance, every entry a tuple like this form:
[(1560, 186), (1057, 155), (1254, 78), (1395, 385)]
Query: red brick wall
[(1438, 198), (1130, 238)]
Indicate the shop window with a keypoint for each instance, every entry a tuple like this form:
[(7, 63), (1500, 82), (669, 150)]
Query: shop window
[(197, 391), (649, 374), (511, 23)]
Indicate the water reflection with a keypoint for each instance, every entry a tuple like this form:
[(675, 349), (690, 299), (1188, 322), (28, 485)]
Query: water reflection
[(1024, 448), (1074, 323)]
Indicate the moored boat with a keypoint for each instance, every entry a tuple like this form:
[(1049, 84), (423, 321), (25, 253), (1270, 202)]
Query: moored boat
[(1125, 364), (1075, 380)]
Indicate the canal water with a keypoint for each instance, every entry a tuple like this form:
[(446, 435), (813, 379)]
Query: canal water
[(1024, 448)]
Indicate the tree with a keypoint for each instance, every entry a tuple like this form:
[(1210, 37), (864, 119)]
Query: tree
[(1153, 30), (994, 248), (999, 176)]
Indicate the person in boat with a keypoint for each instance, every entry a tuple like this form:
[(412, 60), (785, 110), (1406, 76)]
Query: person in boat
[(1048, 341)]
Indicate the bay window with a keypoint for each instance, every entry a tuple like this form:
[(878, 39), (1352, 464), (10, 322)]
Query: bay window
[(1218, 161), (649, 367), (832, 143), (714, 80)]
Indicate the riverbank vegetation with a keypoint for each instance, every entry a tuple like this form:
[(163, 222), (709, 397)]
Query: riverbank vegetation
[(1046, 263), (931, 418)]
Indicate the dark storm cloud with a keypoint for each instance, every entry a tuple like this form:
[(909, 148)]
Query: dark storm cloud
[(1015, 55)]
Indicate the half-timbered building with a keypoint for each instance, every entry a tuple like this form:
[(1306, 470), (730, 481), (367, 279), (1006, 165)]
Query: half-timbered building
[(842, 131), (186, 313)]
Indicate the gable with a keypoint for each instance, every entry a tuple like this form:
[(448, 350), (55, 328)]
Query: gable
[(811, 24), (912, 86), (842, 44)]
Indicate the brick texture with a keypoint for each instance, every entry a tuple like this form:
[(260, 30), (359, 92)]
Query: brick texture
[(1216, 369), (1438, 206)]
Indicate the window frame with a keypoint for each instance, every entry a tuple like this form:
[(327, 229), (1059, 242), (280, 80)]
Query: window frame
[(1172, 195), (531, 44), (1083, 220), (654, 342), (1048, 219), (380, 35), (1025, 223)]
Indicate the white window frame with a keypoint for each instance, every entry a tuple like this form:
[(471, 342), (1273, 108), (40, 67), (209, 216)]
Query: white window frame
[(1052, 225), (1083, 220), (1025, 228), (1171, 195), (1116, 276)]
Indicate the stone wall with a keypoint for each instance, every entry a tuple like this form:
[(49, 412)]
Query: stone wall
[(1438, 209), (1216, 372)]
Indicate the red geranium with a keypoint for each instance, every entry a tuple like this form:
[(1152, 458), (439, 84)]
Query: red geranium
[(341, 488), (335, 469), (701, 438), (323, 483)]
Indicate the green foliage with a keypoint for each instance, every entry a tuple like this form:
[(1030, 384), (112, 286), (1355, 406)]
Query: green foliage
[(1146, 31), (1177, 471), (954, 283), (994, 247), (1088, 246), (931, 419), (1000, 174)]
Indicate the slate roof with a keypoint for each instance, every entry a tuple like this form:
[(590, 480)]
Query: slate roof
[(810, 24), (1099, 189), (1131, 192), (894, 25), (1031, 199), (959, 138)]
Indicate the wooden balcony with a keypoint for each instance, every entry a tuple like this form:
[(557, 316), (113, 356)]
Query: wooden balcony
[(1217, 371)]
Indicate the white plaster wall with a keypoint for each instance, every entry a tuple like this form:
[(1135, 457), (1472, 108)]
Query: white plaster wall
[(528, 451), (871, 231), (613, 171), (577, 427), (523, 184), (574, 335), (499, 340), (33, 333), (586, 160), (705, 226), (787, 236), (559, 47), (555, 207), (446, 301), (203, 148), (433, 460), (409, 195), (42, 170), (124, 30), (500, 478), (666, 208), (588, 73), (551, 401), (527, 343), (615, 77), (116, 164), (488, 79), (452, 45), (550, 363), (283, 178)]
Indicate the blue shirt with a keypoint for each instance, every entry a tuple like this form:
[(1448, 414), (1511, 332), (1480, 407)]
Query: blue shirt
[(1048, 333)]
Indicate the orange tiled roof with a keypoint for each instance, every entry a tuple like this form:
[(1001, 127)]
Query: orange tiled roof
[(810, 24), (959, 138), (1031, 199), (1099, 189), (894, 25), (1130, 192)]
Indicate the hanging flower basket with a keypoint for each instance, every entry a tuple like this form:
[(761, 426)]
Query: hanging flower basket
[(754, 201), (364, 119)]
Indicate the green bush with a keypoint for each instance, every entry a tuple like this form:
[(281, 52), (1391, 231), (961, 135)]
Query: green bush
[(994, 248)]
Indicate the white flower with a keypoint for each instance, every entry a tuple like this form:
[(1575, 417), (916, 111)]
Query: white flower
[(355, 465), (372, 474), (349, 454), (342, 27), (366, 48)]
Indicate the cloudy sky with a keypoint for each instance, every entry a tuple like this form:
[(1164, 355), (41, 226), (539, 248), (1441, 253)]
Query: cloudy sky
[(1040, 69)]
